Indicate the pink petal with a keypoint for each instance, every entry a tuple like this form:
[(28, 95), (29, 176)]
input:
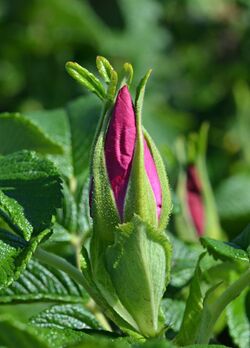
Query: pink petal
[(153, 177), (119, 145), (195, 200), (119, 150)]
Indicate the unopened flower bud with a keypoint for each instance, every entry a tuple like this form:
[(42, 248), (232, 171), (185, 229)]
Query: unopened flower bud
[(119, 151), (197, 215), (127, 264), (194, 199), (130, 204)]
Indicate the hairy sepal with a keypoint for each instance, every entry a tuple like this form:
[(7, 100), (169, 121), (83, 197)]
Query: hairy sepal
[(105, 220), (109, 303), (166, 195), (140, 258)]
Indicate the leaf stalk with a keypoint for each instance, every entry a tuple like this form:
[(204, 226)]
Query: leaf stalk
[(60, 263), (212, 312)]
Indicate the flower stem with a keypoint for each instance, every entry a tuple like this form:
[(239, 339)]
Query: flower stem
[(212, 312), (60, 263)]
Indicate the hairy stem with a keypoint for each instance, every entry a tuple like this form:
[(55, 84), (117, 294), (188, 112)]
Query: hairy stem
[(212, 312), (61, 264)]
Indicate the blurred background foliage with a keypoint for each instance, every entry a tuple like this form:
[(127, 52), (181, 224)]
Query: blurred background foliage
[(200, 54)]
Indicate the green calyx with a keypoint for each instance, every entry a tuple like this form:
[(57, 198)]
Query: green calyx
[(140, 258)]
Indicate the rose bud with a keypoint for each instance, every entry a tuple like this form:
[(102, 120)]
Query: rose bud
[(127, 263), (197, 215), (195, 199), (119, 151), (130, 208)]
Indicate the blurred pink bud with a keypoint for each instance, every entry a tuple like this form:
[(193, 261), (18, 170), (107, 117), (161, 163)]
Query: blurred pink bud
[(194, 199)]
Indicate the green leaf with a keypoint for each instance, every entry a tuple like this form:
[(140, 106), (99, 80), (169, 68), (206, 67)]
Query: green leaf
[(15, 334), (206, 346), (30, 193), (224, 251), (15, 254), (86, 78), (84, 223), (13, 214), (18, 132), (238, 314), (83, 115), (71, 128), (101, 342), (155, 343), (67, 215), (71, 316), (173, 311), (184, 261), (55, 124), (192, 314), (74, 128), (233, 199), (194, 306), (43, 284), (59, 338), (33, 186), (243, 240), (166, 344)]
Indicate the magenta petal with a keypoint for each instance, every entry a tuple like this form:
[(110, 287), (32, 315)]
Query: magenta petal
[(153, 177), (195, 201), (119, 145), (119, 150)]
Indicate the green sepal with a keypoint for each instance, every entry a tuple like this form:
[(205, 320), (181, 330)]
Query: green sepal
[(140, 198), (111, 92), (86, 78), (108, 301), (105, 69), (140, 258), (105, 219), (109, 75), (127, 75), (104, 211), (165, 188)]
